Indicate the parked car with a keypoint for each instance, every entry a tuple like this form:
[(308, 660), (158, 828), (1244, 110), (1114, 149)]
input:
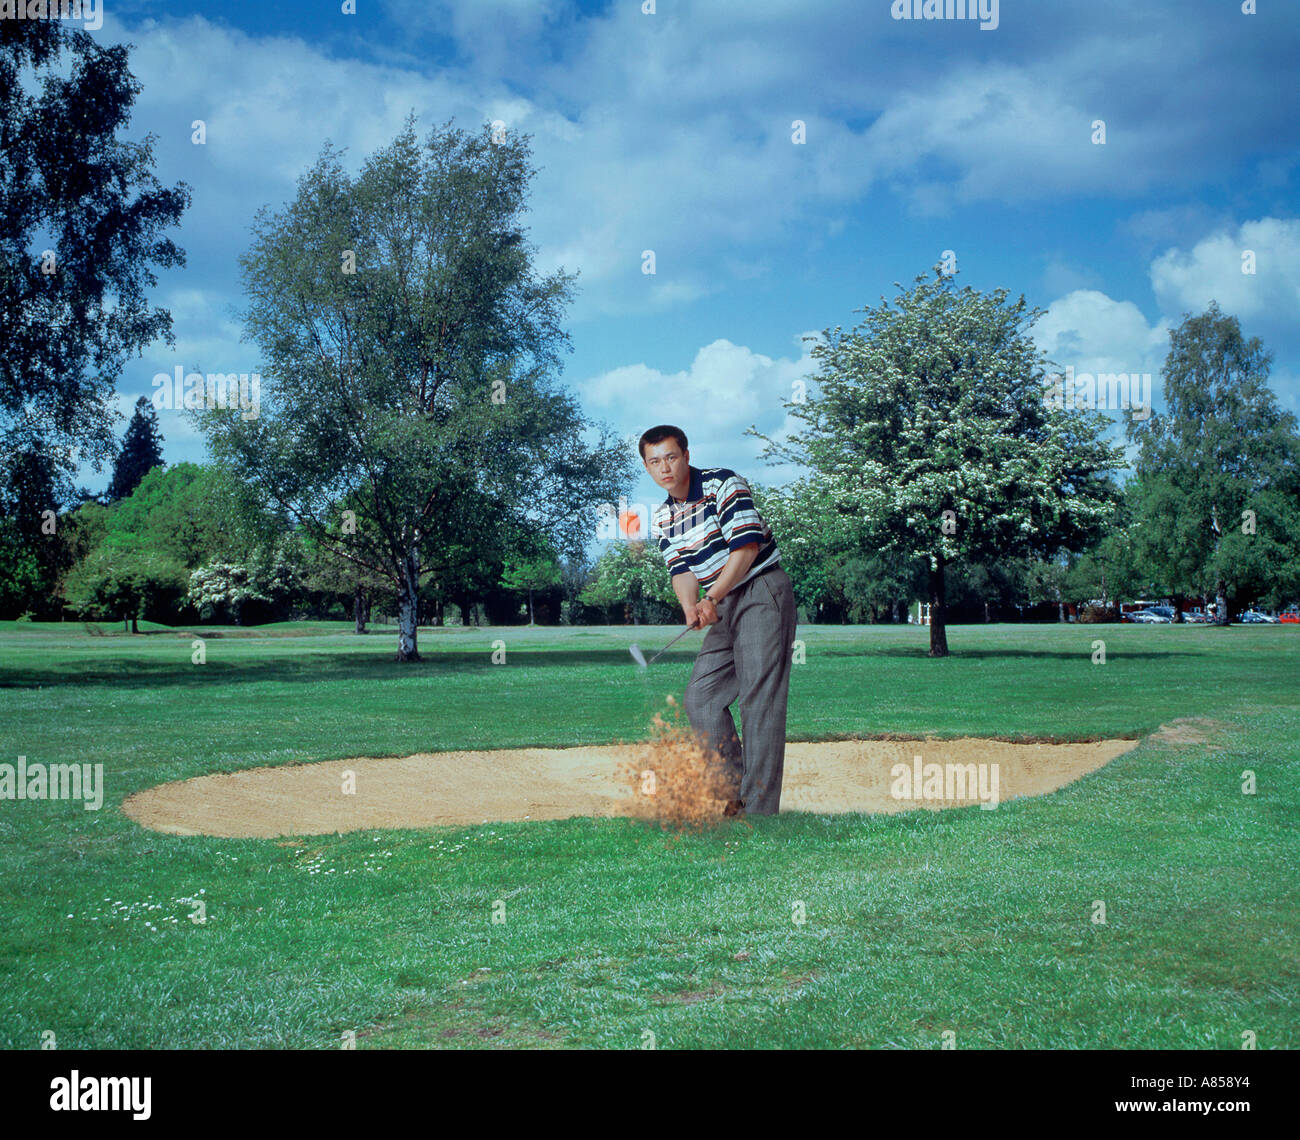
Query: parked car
[(1291, 617), (1254, 617), (1194, 616), (1146, 617), (1166, 612)]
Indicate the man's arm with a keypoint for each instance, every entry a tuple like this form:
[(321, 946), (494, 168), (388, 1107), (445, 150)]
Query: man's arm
[(737, 567), (687, 588)]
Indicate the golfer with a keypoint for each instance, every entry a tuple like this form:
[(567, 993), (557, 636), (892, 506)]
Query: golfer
[(713, 538)]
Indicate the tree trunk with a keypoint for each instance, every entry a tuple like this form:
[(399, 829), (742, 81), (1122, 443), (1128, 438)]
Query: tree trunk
[(126, 624), (1060, 610), (531, 619), (898, 610), (1221, 600), (987, 618), (408, 608), (359, 608), (938, 615), (135, 628)]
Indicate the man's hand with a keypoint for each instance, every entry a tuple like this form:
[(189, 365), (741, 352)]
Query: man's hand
[(706, 612), (692, 615)]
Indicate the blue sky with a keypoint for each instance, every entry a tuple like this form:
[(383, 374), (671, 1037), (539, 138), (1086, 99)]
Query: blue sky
[(672, 131)]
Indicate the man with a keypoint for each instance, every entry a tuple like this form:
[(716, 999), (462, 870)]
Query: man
[(712, 537)]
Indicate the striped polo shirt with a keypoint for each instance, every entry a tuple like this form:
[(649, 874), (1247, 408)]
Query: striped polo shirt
[(717, 517)]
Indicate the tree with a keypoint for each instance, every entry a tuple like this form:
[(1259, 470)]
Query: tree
[(136, 555), (1218, 473), (409, 346), (33, 483), (531, 570), (927, 426), (332, 579), (193, 513), (141, 451), (20, 574), (627, 574), (258, 588), (812, 536), (116, 582), (1110, 569), (1047, 580), (574, 572), (81, 223)]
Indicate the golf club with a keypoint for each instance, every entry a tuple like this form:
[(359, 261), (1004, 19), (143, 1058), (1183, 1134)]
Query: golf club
[(639, 657)]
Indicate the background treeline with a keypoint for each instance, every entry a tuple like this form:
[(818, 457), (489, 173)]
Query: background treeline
[(414, 455)]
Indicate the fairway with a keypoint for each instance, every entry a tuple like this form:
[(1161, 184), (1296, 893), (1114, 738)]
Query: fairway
[(812, 929)]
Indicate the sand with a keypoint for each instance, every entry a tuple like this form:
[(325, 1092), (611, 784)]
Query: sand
[(468, 788)]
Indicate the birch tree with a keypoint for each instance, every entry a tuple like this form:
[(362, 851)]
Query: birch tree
[(409, 357)]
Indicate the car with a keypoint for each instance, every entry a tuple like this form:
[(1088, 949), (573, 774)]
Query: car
[(1194, 616), (1166, 612), (1146, 617), (1253, 617), (1291, 617)]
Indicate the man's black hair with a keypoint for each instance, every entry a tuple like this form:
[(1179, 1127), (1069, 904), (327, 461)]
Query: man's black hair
[(661, 433)]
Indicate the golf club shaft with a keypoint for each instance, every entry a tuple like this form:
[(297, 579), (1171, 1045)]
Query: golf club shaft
[(674, 641)]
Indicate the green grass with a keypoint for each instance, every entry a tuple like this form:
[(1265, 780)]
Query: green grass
[(971, 921)]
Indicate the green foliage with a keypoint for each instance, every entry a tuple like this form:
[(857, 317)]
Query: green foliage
[(133, 558), (32, 553), (141, 451), (536, 573), (191, 513), (20, 573), (1217, 495), (531, 570), (409, 347), (328, 579), (115, 582), (937, 405), (628, 573), (258, 589), (69, 184)]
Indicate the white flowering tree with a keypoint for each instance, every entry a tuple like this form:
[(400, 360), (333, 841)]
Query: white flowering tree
[(269, 579), (629, 574), (928, 431)]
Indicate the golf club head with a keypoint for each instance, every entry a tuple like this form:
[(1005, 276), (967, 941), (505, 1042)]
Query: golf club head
[(637, 655)]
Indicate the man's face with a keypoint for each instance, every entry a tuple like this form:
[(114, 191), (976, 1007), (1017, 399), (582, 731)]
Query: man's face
[(669, 465)]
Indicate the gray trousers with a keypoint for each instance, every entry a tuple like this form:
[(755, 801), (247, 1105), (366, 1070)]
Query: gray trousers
[(746, 656)]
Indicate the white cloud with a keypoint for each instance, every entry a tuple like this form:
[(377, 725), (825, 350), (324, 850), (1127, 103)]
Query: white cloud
[(1091, 332), (1187, 281), (727, 388)]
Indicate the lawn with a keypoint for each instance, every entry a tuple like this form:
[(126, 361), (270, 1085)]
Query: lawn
[(798, 931)]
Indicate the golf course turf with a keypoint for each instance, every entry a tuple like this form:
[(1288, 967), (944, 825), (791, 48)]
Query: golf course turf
[(804, 930)]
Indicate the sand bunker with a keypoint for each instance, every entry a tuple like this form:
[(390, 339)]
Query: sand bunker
[(466, 788)]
